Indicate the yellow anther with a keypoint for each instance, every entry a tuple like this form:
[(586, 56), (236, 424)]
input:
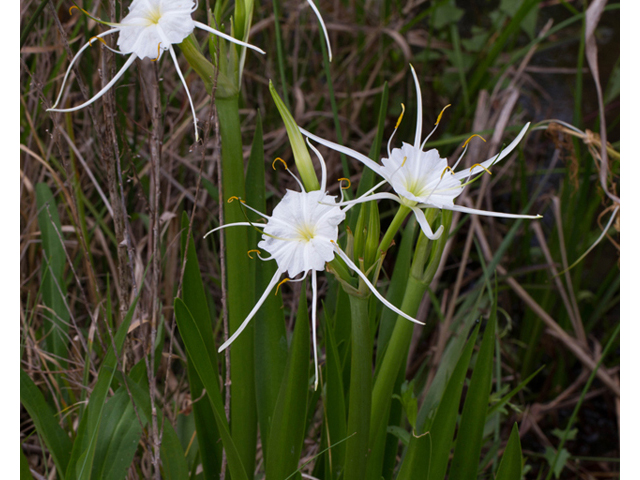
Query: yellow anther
[(283, 281), (478, 165), (445, 171), (400, 117), (469, 139), (251, 251), (71, 9), (346, 180), (278, 159), (99, 39), (440, 116), (156, 59), (403, 161), (231, 199)]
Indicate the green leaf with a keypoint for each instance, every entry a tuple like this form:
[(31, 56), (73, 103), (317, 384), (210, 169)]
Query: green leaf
[(466, 456), (446, 14), (570, 435), (54, 289), (613, 85), (195, 299), (55, 438), (430, 453), (508, 396), (400, 433), (118, 438), (289, 417), (25, 472), (560, 461), (511, 464), (336, 415), (82, 454), (270, 339), (196, 349)]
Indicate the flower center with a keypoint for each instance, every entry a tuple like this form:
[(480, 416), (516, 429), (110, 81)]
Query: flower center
[(154, 15), (305, 232)]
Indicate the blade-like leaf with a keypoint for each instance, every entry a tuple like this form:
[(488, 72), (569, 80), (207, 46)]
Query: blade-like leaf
[(194, 297), (197, 351), (270, 339), (25, 472), (55, 438), (54, 289), (83, 451), (511, 464), (289, 418), (469, 440), (431, 453)]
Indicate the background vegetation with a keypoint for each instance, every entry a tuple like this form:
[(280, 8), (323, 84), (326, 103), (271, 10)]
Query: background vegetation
[(90, 197)]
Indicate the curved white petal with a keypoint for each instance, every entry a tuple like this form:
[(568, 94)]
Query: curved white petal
[(347, 151), (237, 224), (424, 225), (314, 306), (127, 64), (370, 198), (186, 87), (73, 61), (416, 142), (227, 37), (324, 29), (323, 165), (388, 304), (255, 309), (488, 213)]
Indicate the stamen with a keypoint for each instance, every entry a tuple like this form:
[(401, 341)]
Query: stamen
[(469, 139), (251, 251), (445, 171), (478, 165), (232, 198), (346, 180), (440, 116), (156, 59), (71, 9), (403, 161), (283, 281), (278, 159), (400, 117), (97, 38)]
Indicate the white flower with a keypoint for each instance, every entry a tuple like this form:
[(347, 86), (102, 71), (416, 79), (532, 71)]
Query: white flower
[(423, 179), (151, 27), (301, 235)]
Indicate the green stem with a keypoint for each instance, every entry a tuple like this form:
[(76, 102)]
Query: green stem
[(396, 223), (240, 286), (360, 389)]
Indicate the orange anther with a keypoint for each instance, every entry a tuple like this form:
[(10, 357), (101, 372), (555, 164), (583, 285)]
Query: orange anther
[(403, 161), (469, 139), (71, 9), (97, 38), (156, 59), (278, 159), (400, 117), (346, 180), (251, 251), (440, 116), (283, 281), (231, 199), (478, 165), (445, 171)]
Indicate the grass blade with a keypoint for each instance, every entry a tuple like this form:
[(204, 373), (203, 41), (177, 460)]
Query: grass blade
[(469, 440), (196, 349), (285, 441), (55, 438), (511, 464)]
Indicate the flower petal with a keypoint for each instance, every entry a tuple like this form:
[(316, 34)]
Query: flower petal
[(424, 225), (488, 213), (227, 37)]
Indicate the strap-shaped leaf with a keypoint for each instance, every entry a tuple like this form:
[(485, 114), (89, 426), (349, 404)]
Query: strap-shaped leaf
[(511, 464), (196, 349), (289, 418), (55, 438)]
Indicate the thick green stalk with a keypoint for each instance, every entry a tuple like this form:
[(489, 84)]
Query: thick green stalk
[(360, 389), (396, 223), (240, 287)]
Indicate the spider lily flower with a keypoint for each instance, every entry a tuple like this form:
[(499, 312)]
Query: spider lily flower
[(421, 179), (301, 236), (150, 28)]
